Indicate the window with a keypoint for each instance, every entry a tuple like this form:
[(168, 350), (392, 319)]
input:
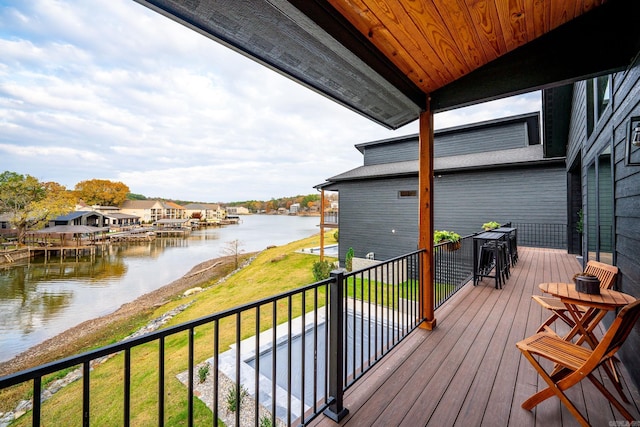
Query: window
[(406, 194), (600, 209), (598, 98)]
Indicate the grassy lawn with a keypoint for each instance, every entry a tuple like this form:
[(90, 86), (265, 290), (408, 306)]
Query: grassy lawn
[(273, 271)]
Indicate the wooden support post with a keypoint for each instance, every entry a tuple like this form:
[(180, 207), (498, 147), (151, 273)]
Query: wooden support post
[(425, 226)]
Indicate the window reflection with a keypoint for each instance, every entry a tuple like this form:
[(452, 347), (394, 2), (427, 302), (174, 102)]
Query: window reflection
[(600, 209)]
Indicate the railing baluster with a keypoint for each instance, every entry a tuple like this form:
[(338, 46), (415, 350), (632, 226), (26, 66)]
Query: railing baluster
[(37, 401), (127, 387), (354, 336), (369, 317), (192, 332), (161, 382), (289, 336), (378, 323), (303, 353), (315, 350), (257, 368), (238, 383), (216, 369), (274, 354), (86, 392), (361, 322)]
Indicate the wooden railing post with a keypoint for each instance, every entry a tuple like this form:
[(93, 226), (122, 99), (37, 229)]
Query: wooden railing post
[(336, 410)]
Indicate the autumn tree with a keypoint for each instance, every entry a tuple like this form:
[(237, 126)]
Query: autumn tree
[(308, 200), (102, 192), (31, 203)]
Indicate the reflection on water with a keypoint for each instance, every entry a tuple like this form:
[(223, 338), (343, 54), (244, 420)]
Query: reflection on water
[(39, 300)]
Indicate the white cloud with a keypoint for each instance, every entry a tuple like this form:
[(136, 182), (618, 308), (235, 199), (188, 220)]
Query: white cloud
[(129, 95)]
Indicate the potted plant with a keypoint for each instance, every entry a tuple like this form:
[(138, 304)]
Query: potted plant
[(490, 225), (452, 239), (587, 283)]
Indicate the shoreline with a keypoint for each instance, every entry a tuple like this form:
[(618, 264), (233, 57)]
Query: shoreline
[(78, 337)]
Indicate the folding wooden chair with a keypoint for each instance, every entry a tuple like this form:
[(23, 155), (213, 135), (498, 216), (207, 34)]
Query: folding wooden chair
[(607, 275), (573, 363)]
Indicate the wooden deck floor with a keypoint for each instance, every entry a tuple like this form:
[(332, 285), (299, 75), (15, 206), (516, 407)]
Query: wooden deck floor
[(468, 371)]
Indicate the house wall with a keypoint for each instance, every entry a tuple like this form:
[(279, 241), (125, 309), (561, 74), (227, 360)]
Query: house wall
[(627, 202), (503, 137), (450, 143), (374, 219), (464, 201), (388, 153), (611, 131)]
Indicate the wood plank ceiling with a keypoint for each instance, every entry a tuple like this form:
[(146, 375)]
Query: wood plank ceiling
[(385, 58), (435, 42)]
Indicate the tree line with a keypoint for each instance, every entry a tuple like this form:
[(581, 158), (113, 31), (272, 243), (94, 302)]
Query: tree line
[(31, 203)]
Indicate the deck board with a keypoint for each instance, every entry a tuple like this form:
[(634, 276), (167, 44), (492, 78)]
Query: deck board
[(467, 371)]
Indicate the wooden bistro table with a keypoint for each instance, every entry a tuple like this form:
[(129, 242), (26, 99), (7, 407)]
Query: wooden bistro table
[(587, 311)]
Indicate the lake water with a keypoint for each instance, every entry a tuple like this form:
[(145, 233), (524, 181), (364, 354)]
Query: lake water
[(38, 300)]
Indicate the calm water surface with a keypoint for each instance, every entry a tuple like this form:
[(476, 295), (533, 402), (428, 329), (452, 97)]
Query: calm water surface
[(38, 300)]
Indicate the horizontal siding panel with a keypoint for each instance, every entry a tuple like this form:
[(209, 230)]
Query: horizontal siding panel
[(374, 219), (391, 153), (503, 137), (488, 139), (463, 202)]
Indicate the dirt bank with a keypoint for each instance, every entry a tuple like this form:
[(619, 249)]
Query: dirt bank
[(85, 334)]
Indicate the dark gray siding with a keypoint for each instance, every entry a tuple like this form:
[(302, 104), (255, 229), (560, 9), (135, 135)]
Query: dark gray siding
[(465, 201), (612, 131), (627, 202), (391, 153), (503, 137), (453, 143), (374, 219)]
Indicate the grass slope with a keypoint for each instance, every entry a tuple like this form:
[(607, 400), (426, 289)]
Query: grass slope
[(272, 271)]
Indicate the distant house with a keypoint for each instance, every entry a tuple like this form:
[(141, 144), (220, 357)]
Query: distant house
[(153, 210), (206, 212), (5, 221), (294, 208), (87, 218), (237, 210), (119, 219), (172, 223), (489, 171), (283, 211)]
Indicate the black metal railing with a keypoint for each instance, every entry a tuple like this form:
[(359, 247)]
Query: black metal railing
[(453, 268), (541, 235), (292, 355)]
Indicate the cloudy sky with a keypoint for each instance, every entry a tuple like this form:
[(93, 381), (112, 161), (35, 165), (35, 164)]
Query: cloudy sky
[(111, 90)]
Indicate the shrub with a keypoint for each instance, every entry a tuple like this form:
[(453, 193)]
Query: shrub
[(336, 235), (265, 421), (321, 270), (348, 259), (232, 402), (203, 373)]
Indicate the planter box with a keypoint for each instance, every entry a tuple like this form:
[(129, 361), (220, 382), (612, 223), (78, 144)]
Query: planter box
[(587, 284), (452, 246)]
